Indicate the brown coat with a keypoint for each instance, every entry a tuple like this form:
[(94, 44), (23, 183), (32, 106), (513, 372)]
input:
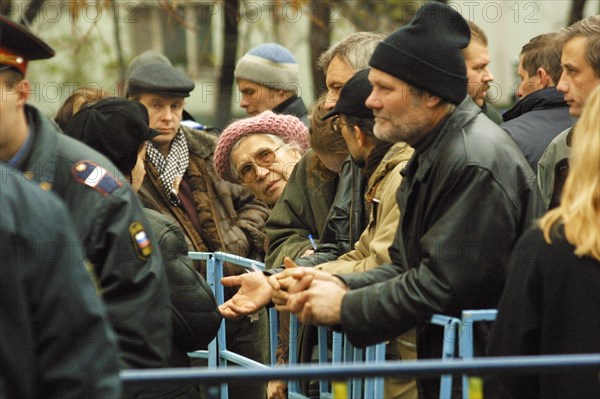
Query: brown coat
[(232, 218)]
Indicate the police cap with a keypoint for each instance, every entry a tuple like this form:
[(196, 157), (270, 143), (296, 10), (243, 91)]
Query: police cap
[(18, 46)]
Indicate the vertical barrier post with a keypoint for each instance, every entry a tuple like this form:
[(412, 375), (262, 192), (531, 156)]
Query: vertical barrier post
[(467, 340)]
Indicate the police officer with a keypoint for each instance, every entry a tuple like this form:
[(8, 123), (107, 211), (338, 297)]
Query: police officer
[(106, 212), (49, 308)]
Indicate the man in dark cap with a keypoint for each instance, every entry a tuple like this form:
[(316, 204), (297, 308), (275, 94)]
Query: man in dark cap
[(466, 197), (181, 182), (106, 212)]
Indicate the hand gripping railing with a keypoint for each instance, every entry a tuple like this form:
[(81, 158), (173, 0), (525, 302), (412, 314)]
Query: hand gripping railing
[(342, 350)]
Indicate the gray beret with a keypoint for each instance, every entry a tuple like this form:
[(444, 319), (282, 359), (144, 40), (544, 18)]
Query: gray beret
[(159, 78)]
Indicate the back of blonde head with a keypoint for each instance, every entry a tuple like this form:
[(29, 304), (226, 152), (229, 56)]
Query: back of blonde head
[(579, 210)]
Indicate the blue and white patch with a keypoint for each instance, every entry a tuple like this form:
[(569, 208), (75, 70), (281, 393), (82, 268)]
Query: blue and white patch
[(141, 242), (95, 176)]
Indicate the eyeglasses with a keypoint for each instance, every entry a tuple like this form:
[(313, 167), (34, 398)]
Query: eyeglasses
[(336, 125), (263, 158)]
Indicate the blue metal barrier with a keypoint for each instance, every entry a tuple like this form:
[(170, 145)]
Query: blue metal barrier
[(467, 339), (342, 350), (451, 326), (423, 368), (218, 355)]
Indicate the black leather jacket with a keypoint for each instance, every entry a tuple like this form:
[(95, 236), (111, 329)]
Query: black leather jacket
[(467, 196), (346, 219)]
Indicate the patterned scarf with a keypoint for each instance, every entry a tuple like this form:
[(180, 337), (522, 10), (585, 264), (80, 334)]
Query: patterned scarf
[(171, 169)]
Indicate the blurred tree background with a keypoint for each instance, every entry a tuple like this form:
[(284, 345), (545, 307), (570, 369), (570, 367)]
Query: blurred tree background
[(184, 30)]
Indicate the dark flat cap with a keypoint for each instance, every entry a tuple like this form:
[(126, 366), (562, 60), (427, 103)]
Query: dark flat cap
[(353, 96), (114, 127), (159, 78), (18, 46)]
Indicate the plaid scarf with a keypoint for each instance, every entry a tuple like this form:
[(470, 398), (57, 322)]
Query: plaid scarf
[(171, 169)]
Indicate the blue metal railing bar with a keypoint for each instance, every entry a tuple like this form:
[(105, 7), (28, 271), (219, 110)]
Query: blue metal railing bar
[(481, 366), (467, 338)]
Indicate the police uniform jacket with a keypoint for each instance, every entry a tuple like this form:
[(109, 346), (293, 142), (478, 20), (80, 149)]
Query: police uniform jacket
[(56, 339), (109, 221), (466, 197)]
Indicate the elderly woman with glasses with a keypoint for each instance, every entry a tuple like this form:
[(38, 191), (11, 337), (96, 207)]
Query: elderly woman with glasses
[(261, 152)]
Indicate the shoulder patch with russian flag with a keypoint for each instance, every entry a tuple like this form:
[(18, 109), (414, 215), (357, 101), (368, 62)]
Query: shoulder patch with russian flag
[(141, 242), (95, 176)]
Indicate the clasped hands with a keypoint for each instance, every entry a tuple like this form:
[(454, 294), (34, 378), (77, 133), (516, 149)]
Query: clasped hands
[(315, 297)]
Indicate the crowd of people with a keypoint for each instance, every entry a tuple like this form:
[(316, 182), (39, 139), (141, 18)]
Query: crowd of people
[(403, 194)]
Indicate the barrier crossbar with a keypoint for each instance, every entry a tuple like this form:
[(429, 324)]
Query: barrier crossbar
[(359, 364), (342, 351), (422, 368)]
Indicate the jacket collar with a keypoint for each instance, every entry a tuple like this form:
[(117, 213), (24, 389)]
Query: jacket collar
[(44, 149), (545, 98), (200, 143), (292, 106), (426, 152), (398, 153)]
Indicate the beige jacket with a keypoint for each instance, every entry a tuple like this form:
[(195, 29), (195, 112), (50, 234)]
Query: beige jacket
[(371, 249)]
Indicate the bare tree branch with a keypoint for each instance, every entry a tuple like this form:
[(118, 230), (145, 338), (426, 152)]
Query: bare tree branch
[(32, 11), (576, 14), (320, 38), (5, 7), (230, 43)]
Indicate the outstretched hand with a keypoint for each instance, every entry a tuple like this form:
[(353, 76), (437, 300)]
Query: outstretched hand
[(253, 295)]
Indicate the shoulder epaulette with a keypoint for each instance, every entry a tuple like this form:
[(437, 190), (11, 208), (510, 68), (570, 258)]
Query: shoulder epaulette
[(95, 176)]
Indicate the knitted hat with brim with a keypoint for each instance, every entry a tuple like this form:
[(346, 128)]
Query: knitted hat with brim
[(270, 65), (427, 52), (288, 127)]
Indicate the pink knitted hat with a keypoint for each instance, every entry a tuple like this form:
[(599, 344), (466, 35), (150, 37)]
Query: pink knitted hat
[(288, 127)]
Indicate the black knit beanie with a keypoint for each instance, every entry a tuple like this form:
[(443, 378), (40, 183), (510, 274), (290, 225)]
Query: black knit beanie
[(114, 127), (426, 53)]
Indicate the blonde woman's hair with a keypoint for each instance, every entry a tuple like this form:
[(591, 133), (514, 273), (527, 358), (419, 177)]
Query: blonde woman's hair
[(579, 209)]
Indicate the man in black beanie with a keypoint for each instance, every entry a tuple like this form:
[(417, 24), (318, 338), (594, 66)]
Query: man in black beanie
[(466, 197)]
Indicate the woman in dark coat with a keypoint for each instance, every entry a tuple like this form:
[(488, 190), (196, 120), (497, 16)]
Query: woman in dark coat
[(551, 301)]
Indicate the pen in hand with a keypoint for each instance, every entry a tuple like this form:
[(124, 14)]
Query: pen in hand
[(312, 241)]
